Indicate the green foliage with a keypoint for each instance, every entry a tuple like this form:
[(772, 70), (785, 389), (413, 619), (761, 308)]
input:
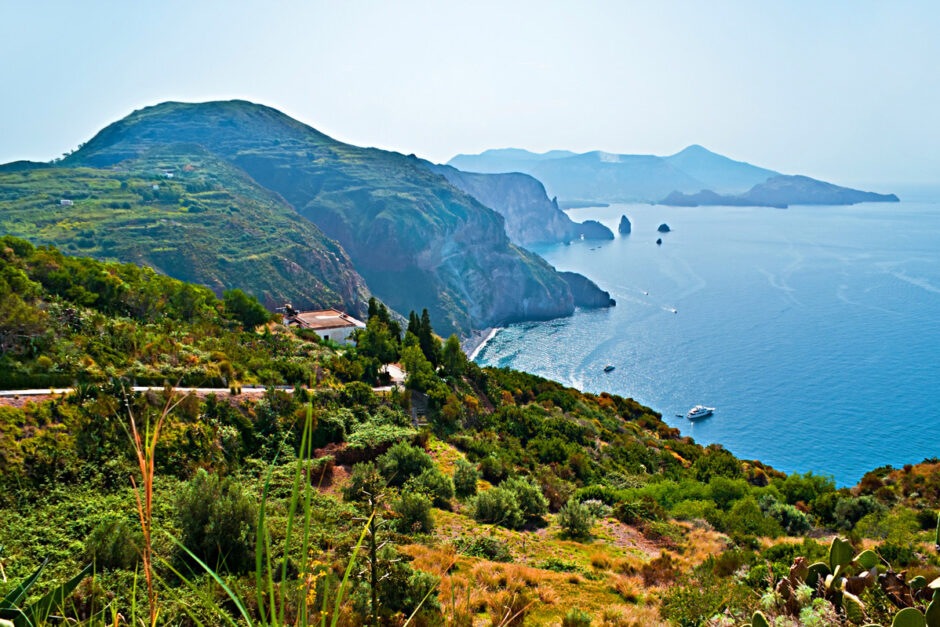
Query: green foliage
[(435, 484), (486, 547), (402, 462), (453, 359), (575, 519), (217, 520), (114, 544), (498, 506), (244, 308), (466, 477), (576, 618), (414, 512), (532, 503), (365, 483)]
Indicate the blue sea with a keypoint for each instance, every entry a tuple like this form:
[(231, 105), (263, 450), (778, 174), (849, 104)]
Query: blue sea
[(814, 331)]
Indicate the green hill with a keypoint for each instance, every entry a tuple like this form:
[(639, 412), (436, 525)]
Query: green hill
[(188, 214), (417, 240)]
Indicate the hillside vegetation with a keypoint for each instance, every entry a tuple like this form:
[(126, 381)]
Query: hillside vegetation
[(473, 496), (185, 213), (417, 240)]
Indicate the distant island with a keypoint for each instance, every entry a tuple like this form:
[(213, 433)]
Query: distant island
[(694, 176), (780, 191)]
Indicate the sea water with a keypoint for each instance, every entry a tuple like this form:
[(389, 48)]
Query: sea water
[(814, 331)]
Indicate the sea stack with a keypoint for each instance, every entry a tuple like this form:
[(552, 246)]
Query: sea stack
[(663, 228), (624, 227)]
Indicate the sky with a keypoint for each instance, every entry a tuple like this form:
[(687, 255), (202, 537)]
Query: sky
[(844, 91)]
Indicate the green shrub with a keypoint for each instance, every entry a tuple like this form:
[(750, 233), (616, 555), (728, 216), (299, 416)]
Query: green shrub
[(493, 470), (114, 544), (638, 511), (486, 547), (217, 521), (434, 484), (576, 618), (529, 496), (365, 481), (402, 462), (498, 506), (575, 519), (414, 513), (466, 477)]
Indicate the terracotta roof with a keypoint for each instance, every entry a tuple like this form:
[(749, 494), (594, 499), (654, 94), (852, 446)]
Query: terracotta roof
[(325, 319)]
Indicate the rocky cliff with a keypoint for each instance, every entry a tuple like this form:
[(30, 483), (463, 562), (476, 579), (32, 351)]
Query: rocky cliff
[(416, 239), (531, 218)]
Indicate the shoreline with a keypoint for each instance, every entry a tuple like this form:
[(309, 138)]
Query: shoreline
[(477, 340)]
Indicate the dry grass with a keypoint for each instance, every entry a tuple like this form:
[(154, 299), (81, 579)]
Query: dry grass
[(631, 616), (629, 588), (601, 560)]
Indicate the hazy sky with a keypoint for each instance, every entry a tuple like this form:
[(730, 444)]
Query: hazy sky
[(845, 91)]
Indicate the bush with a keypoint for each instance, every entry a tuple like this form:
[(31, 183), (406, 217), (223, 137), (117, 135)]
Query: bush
[(576, 618), (596, 508), (484, 546), (641, 510), (575, 519), (217, 521), (528, 495), (402, 462), (434, 484), (498, 506), (465, 478), (114, 544), (414, 513), (493, 470), (365, 481)]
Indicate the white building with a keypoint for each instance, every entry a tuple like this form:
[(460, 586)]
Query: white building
[(330, 324), (66, 202)]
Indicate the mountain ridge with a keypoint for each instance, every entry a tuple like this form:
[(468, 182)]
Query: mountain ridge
[(416, 239)]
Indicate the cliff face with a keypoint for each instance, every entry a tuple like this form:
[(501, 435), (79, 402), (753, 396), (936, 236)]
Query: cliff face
[(586, 292), (416, 239), (531, 218)]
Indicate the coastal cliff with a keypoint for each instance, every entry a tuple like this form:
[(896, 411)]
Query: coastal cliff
[(531, 217)]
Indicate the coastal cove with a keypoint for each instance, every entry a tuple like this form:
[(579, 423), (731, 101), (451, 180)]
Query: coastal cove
[(813, 330)]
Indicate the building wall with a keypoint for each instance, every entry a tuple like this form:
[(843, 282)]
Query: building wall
[(340, 335)]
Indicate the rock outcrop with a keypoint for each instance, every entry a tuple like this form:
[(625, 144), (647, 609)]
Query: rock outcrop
[(625, 226), (586, 292), (663, 228), (592, 229)]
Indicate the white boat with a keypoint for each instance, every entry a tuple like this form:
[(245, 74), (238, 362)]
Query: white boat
[(700, 411)]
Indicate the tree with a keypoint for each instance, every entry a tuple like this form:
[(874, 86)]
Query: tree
[(430, 345), (420, 371), (453, 358), (377, 341), (414, 324), (217, 520), (244, 308)]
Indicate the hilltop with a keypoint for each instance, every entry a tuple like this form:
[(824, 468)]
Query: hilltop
[(376, 221)]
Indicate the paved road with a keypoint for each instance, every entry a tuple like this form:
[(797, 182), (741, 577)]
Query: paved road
[(245, 389)]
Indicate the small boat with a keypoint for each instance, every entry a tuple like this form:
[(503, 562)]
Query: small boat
[(700, 411), (674, 310), (645, 293), (608, 368)]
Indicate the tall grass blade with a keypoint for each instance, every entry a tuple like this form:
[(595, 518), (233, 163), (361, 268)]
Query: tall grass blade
[(238, 603), (17, 593), (349, 567)]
